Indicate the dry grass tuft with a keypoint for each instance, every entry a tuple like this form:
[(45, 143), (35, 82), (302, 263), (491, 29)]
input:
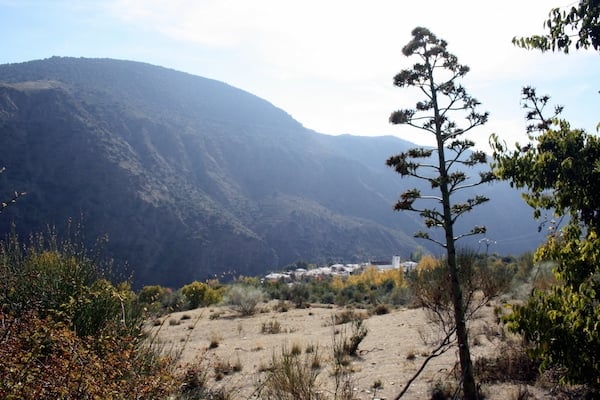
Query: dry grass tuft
[(511, 364), (214, 341), (271, 328), (291, 376)]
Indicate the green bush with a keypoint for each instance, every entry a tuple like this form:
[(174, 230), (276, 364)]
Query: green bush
[(68, 332), (194, 293), (244, 299), (58, 279), (153, 298), (200, 294)]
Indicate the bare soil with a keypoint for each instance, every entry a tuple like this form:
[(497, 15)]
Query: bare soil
[(395, 347)]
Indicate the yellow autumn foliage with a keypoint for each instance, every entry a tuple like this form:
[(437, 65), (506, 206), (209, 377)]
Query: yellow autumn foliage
[(428, 263), (370, 277)]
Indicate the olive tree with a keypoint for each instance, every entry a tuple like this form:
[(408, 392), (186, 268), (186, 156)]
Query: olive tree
[(444, 103)]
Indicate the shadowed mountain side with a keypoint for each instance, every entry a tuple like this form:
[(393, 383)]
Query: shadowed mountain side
[(192, 178)]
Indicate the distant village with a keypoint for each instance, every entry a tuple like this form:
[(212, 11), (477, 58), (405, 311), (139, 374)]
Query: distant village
[(339, 269)]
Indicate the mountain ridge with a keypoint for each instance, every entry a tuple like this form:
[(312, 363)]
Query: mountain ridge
[(191, 177)]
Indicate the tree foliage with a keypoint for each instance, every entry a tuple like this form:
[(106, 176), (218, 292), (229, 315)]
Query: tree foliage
[(578, 25), (151, 294), (200, 294), (436, 76), (560, 171), (433, 115)]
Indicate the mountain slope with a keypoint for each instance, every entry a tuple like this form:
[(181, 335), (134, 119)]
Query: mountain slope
[(190, 177)]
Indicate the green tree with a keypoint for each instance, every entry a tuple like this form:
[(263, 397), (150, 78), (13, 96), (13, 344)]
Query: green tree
[(560, 171), (194, 292), (152, 294), (581, 22), (200, 294), (436, 75)]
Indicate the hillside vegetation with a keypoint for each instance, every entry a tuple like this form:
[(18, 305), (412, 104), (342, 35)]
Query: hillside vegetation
[(68, 331), (177, 171)]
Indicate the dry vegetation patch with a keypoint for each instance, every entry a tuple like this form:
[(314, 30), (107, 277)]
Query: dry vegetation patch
[(384, 360)]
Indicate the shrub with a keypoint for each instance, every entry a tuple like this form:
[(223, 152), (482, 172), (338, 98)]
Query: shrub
[(377, 385), (299, 295), (200, 294), (512, 364), (292, 377), (444, 391), (296, 349), (358, 331), (68, 332), (348, 315), (215, 315), (271, 327), (524, 267), (195, 386), (43, 358), (340, 365), (213, 295), (400, 296), (153, 296), (381, 309), (346, 343), (310, 348), (244, 299), (223, 368), (173, 301), (431, 286), (281, 306), (214, 340), (58, 279)]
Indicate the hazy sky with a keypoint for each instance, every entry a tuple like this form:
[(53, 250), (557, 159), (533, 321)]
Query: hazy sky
[(328, 63)]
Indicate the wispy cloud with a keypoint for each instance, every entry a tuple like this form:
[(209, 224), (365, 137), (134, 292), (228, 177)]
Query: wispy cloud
[(330, 63)]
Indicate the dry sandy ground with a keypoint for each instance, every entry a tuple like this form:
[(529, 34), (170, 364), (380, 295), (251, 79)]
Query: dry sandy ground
[(384, 353)]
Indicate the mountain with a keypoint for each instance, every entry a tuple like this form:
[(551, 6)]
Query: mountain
[(191, 178)]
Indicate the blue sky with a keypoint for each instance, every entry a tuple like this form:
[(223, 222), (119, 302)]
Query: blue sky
[(329, 63)]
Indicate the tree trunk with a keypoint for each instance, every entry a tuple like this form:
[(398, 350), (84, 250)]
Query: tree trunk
[(466, 366)]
